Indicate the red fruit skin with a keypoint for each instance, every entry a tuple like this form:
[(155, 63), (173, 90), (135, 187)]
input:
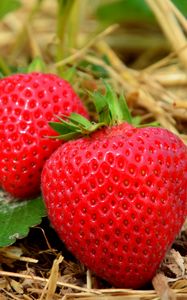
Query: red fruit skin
[(118, 199), (27, 103)]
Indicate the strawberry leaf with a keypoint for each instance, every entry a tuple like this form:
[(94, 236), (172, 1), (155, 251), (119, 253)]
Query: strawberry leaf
[(7, 6), (17, 216)]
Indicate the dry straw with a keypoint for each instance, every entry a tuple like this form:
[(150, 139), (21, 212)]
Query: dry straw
[(158, 92)]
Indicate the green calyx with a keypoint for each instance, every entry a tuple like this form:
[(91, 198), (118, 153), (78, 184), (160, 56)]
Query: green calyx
[(37, 65), (73, 126), (111, 110)]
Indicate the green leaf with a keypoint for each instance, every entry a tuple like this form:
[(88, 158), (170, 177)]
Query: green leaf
[(17, 216), (69, 74), (7, 6), (131, 11), (97, 70), (181, 5), (125, 11)]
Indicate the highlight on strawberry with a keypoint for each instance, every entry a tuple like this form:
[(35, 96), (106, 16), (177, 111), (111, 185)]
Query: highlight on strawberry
[(27, 103), (116, 193)]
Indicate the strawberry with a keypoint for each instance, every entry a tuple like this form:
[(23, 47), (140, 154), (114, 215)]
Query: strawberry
[(27, 103), (118, 196)]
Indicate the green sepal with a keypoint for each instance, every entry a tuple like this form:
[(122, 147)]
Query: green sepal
[(68, 136), (112, 102), (151, 124), (63, 128), (102, 108), (80, 120), (75, 126), (136, 121), (111, 110), (79, 133), (125, 113), (37, 65)]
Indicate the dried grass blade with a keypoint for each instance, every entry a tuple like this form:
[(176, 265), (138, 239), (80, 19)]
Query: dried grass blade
[(171, 27), (161, 287)]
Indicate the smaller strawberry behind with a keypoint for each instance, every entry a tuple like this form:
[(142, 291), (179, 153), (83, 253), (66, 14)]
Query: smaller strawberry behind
[(117, 197), (27, 103)]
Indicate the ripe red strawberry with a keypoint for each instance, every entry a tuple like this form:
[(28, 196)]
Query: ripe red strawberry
[(118, 198), (27, 103)]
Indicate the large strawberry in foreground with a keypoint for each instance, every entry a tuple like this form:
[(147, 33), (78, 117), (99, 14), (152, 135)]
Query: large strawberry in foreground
[(27, 103), (117, 197)]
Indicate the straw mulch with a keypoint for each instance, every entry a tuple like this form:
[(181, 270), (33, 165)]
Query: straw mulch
[(39, 266)]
